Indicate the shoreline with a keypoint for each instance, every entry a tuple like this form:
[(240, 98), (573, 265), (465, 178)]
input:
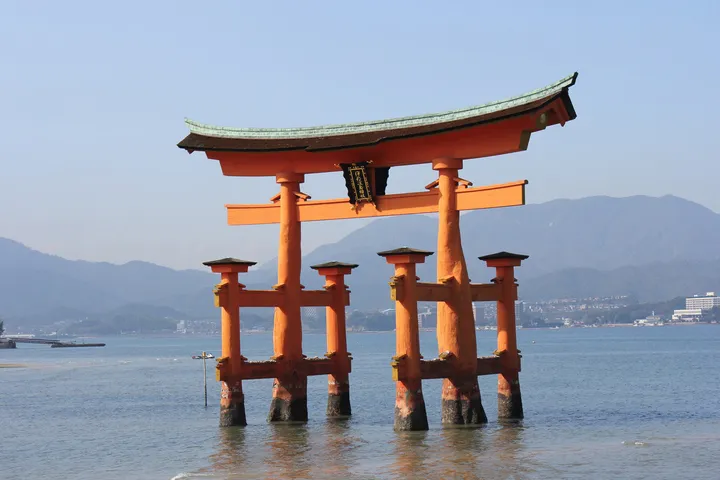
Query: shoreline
[(315, 332)]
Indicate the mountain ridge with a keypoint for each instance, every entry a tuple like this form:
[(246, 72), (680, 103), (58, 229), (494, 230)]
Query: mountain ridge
[(667, 246)]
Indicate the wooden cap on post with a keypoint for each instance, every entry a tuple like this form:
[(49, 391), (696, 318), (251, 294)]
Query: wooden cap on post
[(405, 255), (229, 265), (334, 268), (504, 259)]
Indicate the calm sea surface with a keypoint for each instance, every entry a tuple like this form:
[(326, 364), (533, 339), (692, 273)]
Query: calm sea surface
[(599, 403)]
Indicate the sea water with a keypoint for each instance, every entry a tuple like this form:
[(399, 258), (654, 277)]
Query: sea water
[(625, 403)]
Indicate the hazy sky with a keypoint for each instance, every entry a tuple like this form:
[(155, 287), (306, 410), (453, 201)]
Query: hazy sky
[(93, 97)]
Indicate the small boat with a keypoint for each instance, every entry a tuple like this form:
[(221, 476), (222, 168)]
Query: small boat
[(199, 357)]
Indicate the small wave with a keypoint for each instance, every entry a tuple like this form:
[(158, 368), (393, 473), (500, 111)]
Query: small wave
[(634, 443), (183, 475)]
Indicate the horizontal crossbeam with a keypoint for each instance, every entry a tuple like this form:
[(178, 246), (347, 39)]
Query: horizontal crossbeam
[(275, 298), (253, 370), (433, 292), (492, 196), (485, 292), (446, 368)]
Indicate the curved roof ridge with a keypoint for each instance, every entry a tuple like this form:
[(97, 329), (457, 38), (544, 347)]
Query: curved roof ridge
[(381, 125)]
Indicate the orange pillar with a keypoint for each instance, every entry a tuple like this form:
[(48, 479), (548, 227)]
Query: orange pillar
[(410, 413), (339, 381), (289, 402), (232, 400), (461, 401), (509, 398)]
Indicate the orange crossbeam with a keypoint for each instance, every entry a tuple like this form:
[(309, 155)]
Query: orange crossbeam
[(250, 370), (260, 298), (484, 292), (432, 292), (492, 196), (439, 368), (274, 298)]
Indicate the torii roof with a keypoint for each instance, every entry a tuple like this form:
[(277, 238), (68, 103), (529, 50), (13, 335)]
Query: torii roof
[(352, 135)]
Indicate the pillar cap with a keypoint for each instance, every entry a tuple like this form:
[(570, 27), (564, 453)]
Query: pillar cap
[(504, 256), (405, 256), (229, 261), (504, 259), (334, 265), (405, 251), (229, 265)]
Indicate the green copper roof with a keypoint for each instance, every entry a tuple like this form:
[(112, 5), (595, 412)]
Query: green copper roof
[(380, 125)]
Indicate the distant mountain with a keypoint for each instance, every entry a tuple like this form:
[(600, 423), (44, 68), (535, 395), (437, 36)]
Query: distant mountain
[(654, 248), (32, 282), (647, 283)]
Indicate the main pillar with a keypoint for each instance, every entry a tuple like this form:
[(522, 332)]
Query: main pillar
[(289, 402), (338, 404), (509, 398), (410, 413), (232, 400), (461, 401)]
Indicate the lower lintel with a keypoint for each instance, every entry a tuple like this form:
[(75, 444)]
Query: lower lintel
[(273, 369)]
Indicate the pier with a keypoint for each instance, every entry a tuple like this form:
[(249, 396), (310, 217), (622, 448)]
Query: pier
[(365, 153), (52, 342)]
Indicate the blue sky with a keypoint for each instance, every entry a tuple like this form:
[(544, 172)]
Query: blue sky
[(94, 95)]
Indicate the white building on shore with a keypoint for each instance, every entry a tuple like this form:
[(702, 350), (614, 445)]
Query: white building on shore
[(702, 302), (695, 306)]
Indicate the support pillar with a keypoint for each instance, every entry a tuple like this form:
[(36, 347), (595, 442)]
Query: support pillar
[(509, 397), (289, 397), (232, 400), (410, 413), (338, 404), (461, 401)]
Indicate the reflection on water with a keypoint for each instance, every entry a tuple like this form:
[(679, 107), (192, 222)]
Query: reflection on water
[(343, 450), (290, 450), (464, 449), (339, 442), (231, 454)]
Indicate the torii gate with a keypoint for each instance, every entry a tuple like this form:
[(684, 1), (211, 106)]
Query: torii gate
[(365, 152)]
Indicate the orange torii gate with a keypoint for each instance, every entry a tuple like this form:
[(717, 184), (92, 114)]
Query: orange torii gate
[(364, 153)]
